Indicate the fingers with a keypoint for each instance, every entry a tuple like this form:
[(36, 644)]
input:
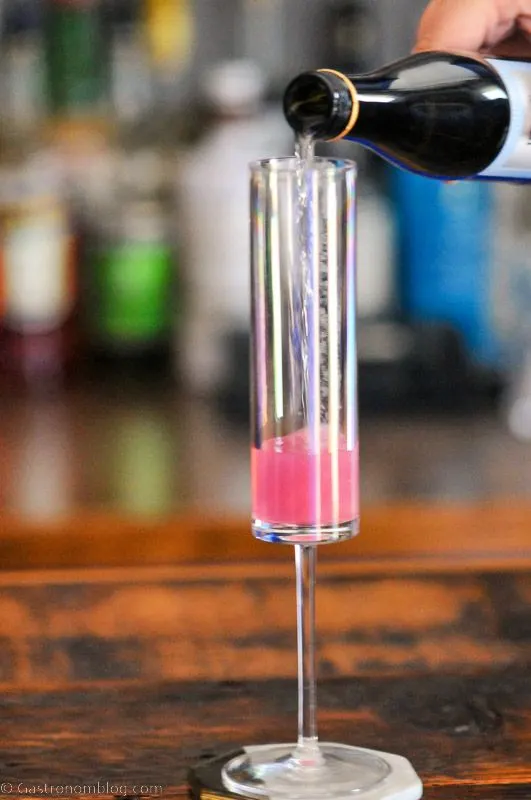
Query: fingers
[(516, 46), (470, 24)]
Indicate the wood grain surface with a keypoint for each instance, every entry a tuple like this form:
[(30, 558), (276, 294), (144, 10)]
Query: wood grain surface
[(128, 676), (222, 624), (460, 732)]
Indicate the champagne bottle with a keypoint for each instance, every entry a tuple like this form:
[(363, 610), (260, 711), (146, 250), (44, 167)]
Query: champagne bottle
[(443, 115)]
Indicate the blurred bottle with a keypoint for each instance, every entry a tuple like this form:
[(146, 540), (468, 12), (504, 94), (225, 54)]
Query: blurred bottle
[(132, 268), (77, 52), (38, 340), (383, 343), (376, 270), (512, 303), (213, 207), (447, 264), (263, 38), (511, 289), (131, 79), (22, 68), (170, 35), (77, 44), (516, 405), (354, 38)]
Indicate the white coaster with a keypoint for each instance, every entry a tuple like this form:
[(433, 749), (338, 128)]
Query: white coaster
[(402, 783)]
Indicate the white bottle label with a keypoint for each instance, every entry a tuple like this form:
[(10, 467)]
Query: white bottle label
[(36, 284), (514, 160)]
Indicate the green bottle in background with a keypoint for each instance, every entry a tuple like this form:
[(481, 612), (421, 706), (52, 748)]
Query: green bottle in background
[(132, 298), (77, 57)]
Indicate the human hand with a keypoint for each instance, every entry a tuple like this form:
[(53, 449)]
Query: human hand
[(497, 27)]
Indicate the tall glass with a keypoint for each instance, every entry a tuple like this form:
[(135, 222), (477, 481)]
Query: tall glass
[(304, 395), (305, 439)]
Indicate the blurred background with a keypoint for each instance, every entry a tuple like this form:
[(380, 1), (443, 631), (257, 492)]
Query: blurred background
[(126, 127)]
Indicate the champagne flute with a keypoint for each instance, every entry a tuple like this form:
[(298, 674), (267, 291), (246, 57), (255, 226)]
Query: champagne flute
[(304, 456)]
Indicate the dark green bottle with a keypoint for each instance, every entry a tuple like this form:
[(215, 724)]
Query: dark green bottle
[(77, 57)]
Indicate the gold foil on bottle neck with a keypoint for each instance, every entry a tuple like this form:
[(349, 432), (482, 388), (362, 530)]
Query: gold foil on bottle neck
[(355, 111)]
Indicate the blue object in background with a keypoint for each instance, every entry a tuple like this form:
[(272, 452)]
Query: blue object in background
[(446, 258)]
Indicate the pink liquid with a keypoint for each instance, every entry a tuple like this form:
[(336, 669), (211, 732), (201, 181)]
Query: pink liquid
[(293, 486)]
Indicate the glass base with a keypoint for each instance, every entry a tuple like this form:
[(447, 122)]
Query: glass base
[(207, 778), (300, 534), (324, 772)]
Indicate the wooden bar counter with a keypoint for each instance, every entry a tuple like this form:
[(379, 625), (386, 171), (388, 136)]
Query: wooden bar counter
[(131, 650)]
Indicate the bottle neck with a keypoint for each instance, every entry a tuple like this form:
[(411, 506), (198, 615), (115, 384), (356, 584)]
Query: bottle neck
[(320, 104), (329, 105)]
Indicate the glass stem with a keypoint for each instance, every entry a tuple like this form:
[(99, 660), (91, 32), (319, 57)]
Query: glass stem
[(305, 563)]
